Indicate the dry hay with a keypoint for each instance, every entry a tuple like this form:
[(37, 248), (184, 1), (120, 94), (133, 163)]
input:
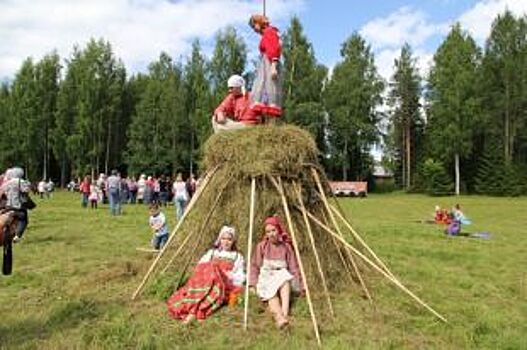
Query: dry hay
[(285, 152)]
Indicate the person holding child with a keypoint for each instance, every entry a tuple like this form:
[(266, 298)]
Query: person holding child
[(274, 270), (159, 226), (216, 280)]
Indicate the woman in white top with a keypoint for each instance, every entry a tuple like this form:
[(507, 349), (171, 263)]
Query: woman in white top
[(181, 197), (216, 280)]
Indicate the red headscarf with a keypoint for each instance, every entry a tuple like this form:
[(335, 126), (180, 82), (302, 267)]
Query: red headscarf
[(283, 236)]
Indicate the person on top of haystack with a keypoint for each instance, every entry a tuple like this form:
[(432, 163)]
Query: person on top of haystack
[(274, 270), (216, 280), (234, 112), (266, 92)]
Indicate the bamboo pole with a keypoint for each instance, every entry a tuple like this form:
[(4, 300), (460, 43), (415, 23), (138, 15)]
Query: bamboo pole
[(372, 264), (361, 241), (335, 224), (312, 240), (202, 227), (194, 199), (249, 252), (280, 190)]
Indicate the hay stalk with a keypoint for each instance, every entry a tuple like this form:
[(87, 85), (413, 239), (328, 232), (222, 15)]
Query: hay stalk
[(359, 238), (312, 240), (335, 224)]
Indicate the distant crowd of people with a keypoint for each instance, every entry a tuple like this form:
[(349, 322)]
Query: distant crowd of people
[(117, 190)]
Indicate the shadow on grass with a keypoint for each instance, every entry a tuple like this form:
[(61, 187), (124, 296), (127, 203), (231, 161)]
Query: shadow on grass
[(63, 317)]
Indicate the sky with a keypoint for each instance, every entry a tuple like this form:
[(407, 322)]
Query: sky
[(140, 29)]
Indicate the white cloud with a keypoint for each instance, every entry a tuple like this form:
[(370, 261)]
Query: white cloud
[(404, 25), (138, 29), (388, 34), (479, 18)]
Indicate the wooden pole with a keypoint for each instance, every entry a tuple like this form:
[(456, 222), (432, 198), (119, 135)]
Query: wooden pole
[(335, 224), (312, 240), (372, 264), (194, 199), (361, 241), (249, 252), (344, 262), (280, 190), (202, 227)]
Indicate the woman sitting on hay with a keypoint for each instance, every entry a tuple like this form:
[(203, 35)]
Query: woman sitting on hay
[(217, 279), (274, 270)]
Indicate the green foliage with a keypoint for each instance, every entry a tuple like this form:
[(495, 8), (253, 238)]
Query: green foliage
[(158, 123), (303, 80), (198, 107), (85, 115), (89, 109), (503, 87), (405, 121), (351, 97), (229, 57), (434, 178), (496, 177)]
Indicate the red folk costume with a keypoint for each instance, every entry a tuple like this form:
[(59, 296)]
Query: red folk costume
[(267, 92), (236, 107), (216, 279)]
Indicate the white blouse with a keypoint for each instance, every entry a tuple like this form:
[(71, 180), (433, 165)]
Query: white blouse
[(237, 274)]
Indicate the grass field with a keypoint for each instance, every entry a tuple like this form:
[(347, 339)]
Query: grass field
[(76, 269)]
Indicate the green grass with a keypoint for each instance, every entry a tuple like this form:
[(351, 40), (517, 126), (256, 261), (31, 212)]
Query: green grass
[(76, 269)]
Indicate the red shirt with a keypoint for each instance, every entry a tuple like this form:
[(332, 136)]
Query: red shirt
[(236, 107), (84, 187), (270, 44)]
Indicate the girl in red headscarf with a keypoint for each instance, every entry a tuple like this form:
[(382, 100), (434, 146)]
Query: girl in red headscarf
[(266, 93), (217, 279), (274, 270)]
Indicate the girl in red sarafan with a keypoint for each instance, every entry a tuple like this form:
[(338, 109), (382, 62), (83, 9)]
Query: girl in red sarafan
[(266, 94), (274, 270), (217, 279)]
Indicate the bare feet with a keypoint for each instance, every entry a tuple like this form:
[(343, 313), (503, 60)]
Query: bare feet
[(281, 322)]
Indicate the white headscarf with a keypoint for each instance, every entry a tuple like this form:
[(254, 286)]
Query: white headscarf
[(225, 229), (236, 81)]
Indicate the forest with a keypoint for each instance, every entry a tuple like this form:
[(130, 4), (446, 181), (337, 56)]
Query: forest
[(460, 129)]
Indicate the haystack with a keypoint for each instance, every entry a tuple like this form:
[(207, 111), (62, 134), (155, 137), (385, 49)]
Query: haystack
[(273, 170)]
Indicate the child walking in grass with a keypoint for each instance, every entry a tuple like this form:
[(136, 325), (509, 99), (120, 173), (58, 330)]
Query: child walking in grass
[(159, 226)]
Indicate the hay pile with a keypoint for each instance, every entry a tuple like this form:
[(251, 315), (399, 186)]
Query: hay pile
[(274, 156), (286, 152)]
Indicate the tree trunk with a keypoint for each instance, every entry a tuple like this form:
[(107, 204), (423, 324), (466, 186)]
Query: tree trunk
[(456, 161), (107, 157), (62, 172), (506, 140), (403, 156), (408, 158), (345, 162)]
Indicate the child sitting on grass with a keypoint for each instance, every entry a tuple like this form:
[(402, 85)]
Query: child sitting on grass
[(158, 223)]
